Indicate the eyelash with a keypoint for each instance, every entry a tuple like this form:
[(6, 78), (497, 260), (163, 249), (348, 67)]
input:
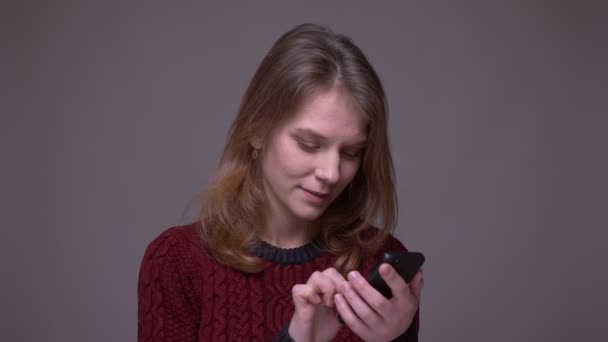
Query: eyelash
[(352, 156), (313, 148), (308, 147)]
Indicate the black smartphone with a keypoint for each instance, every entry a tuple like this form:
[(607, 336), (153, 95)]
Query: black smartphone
[(405, 263)]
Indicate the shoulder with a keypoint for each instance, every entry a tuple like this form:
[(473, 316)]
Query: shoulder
[(176, 237), (389, 243), (179, 246), (392, 243), (183, 235), (169, 285)]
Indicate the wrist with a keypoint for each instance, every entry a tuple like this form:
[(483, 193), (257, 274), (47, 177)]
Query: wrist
[(296, 332)]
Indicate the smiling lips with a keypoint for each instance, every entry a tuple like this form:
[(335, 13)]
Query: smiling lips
[(315, 196)]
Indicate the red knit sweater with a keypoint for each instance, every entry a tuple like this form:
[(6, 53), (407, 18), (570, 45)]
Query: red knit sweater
[(185, 295)]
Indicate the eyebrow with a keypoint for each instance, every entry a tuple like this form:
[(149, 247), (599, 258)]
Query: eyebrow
[(311, 133)]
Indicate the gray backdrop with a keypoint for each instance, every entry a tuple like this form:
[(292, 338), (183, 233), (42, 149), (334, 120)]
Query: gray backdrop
[(114, 115)]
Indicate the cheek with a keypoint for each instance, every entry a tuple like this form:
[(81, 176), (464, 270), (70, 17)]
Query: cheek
[(349, 171), (298, 164), (290, 160)]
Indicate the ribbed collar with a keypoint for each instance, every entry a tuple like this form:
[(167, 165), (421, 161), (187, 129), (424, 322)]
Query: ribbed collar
[(298, 255)]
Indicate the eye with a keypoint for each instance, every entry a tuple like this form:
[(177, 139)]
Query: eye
[(308, 147), (351, 155)]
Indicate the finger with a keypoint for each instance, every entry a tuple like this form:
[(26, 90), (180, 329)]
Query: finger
[(324, 286), (304, 294), (349, 317), (335, 276), (337, 279), (416, 284), (398, 286), (369, 294), (360, 307)]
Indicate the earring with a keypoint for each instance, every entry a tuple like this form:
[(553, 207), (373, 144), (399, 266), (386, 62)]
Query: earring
[(254, 154)]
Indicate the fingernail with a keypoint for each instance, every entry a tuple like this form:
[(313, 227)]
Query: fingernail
[(346, 286), (353, 275), (385, 270)]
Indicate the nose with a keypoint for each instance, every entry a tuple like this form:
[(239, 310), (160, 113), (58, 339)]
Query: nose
[(328, 168)]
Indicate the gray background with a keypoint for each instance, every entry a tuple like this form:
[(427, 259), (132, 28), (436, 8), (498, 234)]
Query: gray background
[(114, 115)]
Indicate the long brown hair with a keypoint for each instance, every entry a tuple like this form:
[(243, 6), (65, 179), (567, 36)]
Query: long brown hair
[(306, 59)]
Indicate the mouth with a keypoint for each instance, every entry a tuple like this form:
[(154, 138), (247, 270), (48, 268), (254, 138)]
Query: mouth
[(315, 194)]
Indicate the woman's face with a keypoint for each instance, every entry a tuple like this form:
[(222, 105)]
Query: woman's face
[(313, 156)]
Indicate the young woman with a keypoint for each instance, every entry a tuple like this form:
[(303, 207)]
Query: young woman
[(285, 237)]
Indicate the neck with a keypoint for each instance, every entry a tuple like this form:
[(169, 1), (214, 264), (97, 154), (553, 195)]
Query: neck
[(288, 233)]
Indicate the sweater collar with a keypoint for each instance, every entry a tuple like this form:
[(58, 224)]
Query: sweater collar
[(298, 255)]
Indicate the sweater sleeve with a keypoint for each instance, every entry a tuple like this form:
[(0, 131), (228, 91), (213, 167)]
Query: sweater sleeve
[(283, 335), (168, 308)]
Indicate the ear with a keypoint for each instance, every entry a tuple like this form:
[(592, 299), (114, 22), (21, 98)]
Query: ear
[(256, 142)]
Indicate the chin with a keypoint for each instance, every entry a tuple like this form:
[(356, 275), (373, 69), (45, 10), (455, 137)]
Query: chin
[(308, 214)]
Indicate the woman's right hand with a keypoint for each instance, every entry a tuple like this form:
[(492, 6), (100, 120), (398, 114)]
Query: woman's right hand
[(315, 317)]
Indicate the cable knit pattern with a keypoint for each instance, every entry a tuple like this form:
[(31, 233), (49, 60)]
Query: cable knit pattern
[(185, 295), (167, 303), (256, 305)]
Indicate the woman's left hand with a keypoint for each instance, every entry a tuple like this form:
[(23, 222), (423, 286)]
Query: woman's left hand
[(369, 314)]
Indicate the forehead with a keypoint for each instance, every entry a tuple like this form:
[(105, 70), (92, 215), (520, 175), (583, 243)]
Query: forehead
[(331, 114)]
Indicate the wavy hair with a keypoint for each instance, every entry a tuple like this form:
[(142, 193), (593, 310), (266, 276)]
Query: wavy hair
[(307, 59)]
